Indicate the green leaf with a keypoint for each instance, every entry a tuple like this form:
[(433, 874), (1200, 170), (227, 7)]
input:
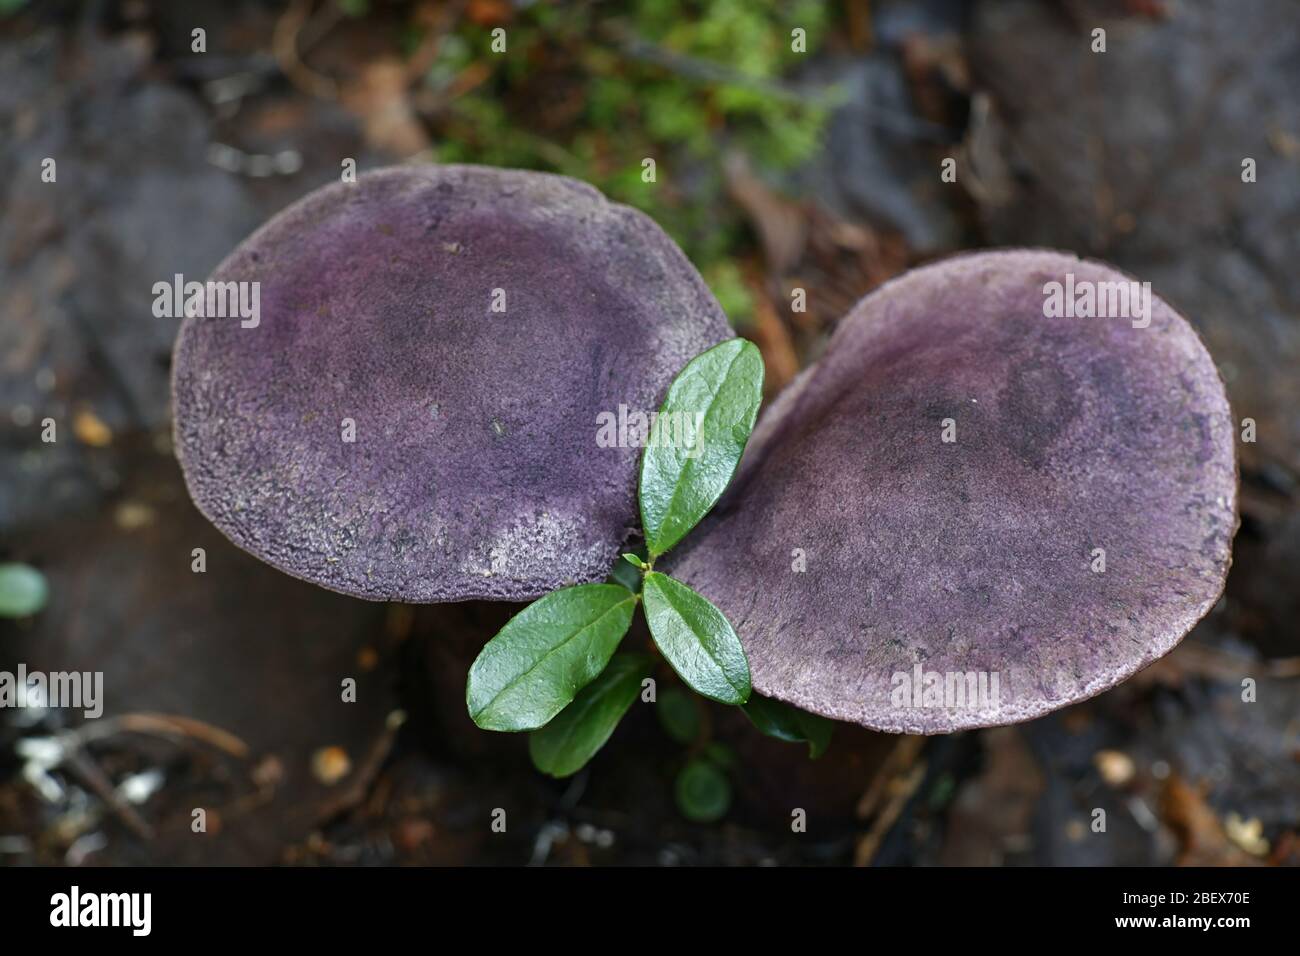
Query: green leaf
[(678, 714), (702, 791), (721, 756), (681, 480), (626, 575), (564, 746), (545, 654), (697, 639), (780, 720), (23, 591), (633, 560)]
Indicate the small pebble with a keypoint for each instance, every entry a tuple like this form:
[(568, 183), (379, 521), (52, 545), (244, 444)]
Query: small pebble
[(330, 765), (268, 772), (1116, 768), (90, 429), (1247, 834), (133, 515)]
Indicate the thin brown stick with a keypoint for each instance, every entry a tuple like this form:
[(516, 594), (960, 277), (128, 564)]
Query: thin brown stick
[(899, 760), (354, 794), (172, 725), (284, 46), (901, 790)]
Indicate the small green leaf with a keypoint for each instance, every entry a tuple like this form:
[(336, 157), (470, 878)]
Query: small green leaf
[(681, 480), (721, 755), (545, 654), (626, 575), (780, 720), (23, 591), (678, 714), (703, 793), (633, 560), (697, 639), (564, 746)]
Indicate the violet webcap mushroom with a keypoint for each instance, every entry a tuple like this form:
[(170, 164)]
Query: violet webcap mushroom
[(989, 498), (411, 417)]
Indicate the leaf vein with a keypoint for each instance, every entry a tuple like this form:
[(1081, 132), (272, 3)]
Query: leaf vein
[(549, 653), (687, 468), (717, 663)]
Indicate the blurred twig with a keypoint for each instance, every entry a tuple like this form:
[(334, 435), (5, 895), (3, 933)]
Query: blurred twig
[(890, 789), (174, 726), (440, 25), (285, 46), (84, 766), (354, 794), (709, 72)]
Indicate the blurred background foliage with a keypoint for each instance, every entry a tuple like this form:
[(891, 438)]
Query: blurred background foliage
[(591, 90)]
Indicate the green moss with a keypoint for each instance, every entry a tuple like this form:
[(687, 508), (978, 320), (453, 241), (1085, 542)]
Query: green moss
[(592, 90)]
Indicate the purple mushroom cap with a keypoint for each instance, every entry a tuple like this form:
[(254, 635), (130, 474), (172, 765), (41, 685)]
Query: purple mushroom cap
[(466, 326), (878, 573)]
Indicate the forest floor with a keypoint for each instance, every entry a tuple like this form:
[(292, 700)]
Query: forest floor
[(225, 685)]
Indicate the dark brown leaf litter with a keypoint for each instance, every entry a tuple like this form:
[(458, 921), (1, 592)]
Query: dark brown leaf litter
[(240, 649)]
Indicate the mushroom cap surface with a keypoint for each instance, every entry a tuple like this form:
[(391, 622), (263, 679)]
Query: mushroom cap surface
[(414, 415), (931, 565)]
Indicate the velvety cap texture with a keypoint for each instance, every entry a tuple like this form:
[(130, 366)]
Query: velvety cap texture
[(983, 503), (414, 414)]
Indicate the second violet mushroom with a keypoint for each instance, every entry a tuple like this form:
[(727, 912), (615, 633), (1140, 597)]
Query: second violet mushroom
[(970, 512), (962, 489)]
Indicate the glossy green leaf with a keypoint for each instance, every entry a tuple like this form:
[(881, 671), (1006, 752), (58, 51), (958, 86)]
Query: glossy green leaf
[(22, 590), (780, 720), (703, 792), (564, 746), (684, 470), (679, 714), (697, 640), (545, 654)]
